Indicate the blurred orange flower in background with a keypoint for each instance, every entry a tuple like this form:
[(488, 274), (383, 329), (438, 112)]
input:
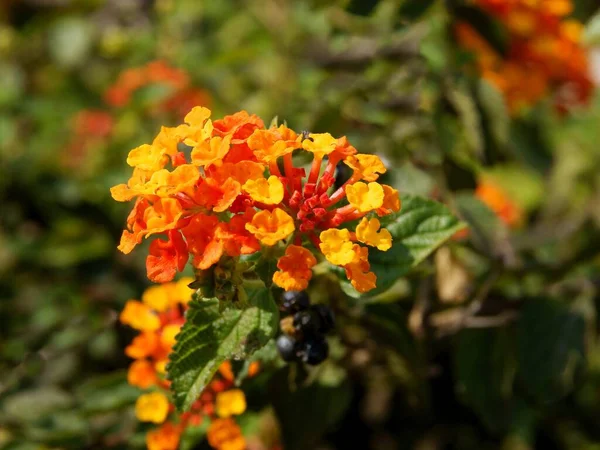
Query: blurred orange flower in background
[(544, 52)]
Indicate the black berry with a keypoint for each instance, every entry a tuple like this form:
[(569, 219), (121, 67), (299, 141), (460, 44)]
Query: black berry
[(286, 346), (294, 301), (315, 351), (307, 323), (327, 319)]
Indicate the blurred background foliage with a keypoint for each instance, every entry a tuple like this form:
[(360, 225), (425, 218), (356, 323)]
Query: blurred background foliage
[(492, 343)]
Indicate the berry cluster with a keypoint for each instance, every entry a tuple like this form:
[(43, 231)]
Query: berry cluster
[(304, 329)]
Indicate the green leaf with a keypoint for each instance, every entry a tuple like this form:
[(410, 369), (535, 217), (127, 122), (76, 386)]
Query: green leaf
[(265, 268), (483, 375), (33, 404), (212, 335), (421, 226), (550, 348), (496, 112), (469, 118), (306, 413), (487, 232), (267, 356)]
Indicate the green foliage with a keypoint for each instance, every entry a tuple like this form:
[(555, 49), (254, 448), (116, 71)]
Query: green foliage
[(212, 335), (550, 349)]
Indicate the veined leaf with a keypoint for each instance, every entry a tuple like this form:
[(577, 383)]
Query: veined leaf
[(211, 336), (421, 226)]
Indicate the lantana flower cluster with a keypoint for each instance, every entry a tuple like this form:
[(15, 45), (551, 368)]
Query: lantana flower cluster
[(158, 317), (236, 190), (544, 52), (183, 96)]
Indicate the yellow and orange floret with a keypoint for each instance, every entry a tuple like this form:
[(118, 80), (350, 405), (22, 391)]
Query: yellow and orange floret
[(544, 53), (239, 190), (158, 317)]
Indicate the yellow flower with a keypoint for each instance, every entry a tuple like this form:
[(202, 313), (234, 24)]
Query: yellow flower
[(167, 140), (572, 30), (229, 403), (365, 197), (161, 366), (269, 192), (271, 227), (557, 8), (139, 316), (157, 297), (367, 167), (147, 157), (367, 232), (167, 338), (207, 153), (336, 246), (198, 129), (165, 183), (180, 292), (152, 407), (241, 171), (320, 144)]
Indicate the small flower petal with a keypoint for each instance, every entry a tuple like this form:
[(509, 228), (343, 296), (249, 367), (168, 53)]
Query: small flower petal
[(365, 197), (337, 246), (152, 407), (268, 191), (367, 231), (271, 227)]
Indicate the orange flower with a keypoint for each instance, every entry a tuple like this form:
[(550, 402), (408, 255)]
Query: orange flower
[(141, 373), (271, 227), (166, 257), (358, 273), (181, 96), (164, 438), (143, 345), (225, 434), (497, 200), (294, 269), (231, 196), (543, 53), (269, 145)]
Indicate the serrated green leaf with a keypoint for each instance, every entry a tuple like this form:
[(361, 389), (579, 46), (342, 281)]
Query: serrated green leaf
[(209, 337), (421, 226), (550, 348), (267, 356)]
